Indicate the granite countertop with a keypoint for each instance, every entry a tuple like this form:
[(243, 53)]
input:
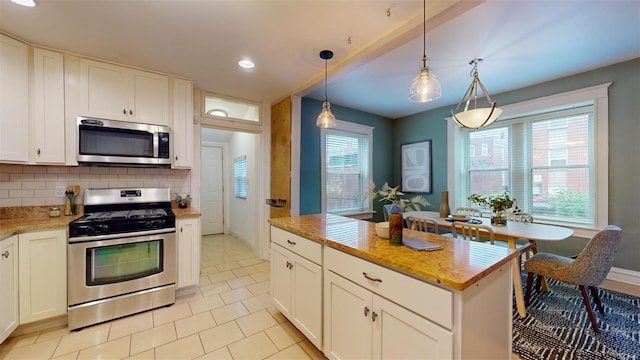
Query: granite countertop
[(457, 266), (22, 219)]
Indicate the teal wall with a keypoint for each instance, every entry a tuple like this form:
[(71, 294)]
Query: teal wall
[(624, 150), (310, 189)]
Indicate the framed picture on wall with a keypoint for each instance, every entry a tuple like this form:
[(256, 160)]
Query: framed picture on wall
[(416, 167)]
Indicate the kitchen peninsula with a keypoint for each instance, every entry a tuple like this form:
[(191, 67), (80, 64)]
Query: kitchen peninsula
[(356, 296)]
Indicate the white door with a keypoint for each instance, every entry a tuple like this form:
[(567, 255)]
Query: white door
[(212, 191)]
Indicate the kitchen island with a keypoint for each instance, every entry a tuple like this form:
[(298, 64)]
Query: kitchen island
[(356, 296)]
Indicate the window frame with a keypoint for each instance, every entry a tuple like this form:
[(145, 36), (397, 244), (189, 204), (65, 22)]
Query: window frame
[(362, 131), (235, 177), (598, 95)]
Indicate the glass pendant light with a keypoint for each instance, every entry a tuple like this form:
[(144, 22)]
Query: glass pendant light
[(326, 118), (425, 86), (472, 116)]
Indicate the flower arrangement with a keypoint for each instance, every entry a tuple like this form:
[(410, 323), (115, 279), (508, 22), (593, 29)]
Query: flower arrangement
[(394, 196), (183, 201), (499, 203)]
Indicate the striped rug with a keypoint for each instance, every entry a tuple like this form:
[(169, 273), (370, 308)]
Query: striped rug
[(557, 326)]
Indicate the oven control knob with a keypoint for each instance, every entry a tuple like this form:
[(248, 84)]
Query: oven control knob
[(89, 229), (104, 229), (149, 224)]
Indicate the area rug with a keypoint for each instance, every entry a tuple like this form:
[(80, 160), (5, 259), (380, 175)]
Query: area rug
[(557, 326)]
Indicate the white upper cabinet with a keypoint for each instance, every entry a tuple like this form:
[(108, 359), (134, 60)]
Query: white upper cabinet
[(118, 93), (47, 115), (14, 100), (182, 123)]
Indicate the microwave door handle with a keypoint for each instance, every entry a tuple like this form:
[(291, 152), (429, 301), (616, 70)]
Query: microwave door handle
[(156, 144)]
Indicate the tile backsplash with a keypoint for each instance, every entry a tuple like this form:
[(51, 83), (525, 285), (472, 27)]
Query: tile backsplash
[(35, 185)]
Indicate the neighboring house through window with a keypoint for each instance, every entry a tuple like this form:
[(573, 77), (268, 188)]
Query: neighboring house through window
[(346, 153)]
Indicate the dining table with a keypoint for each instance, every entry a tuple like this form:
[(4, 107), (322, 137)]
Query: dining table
[(510, 232)]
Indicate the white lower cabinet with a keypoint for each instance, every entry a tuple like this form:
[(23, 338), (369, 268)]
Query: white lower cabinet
[(42, 274), (188, 238), (8, 286), (296, 282), (360, 324)]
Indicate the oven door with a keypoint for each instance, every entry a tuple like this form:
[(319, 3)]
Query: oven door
[(109, 267)]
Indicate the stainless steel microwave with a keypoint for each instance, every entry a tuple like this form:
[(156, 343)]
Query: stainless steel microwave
[(110, 142)]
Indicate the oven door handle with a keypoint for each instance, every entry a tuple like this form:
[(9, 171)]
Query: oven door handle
[(121, 235)]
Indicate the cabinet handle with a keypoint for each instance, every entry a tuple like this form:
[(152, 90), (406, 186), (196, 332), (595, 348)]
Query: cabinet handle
[(366, 311), (124, 111), (38, 151), (180, 228), (5, 254), (291, 242), (176, 157), (370, 278), (289, 265), (374, 316), (130, 112)]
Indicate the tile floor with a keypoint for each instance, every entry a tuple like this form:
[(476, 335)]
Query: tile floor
[(229, 317)]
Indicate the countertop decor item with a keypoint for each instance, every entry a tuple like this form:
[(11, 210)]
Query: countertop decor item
[(183, 201), (444, 205), (70, 202), (395, 229)]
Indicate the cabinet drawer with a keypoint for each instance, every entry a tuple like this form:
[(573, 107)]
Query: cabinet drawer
[(304, 247), (430, 301)]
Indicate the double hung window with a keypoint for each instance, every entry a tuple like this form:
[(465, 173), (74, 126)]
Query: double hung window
[(240, 177), (550, 154), (346, 153)]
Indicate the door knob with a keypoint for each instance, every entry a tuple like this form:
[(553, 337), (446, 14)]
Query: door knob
[(5, 254)]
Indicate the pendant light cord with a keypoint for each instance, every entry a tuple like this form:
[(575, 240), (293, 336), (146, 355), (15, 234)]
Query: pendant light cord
[(424, 29), (325, 79)]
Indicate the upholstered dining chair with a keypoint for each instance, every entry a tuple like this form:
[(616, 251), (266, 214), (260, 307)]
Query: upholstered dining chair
[(425, 225), (587, 269)]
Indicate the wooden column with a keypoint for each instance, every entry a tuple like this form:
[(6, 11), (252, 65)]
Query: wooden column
[(281, 157)]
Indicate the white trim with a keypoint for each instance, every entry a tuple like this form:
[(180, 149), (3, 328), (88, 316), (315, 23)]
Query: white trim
[(624, 275)]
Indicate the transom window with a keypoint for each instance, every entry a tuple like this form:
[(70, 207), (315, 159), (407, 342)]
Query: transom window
[(346, 168)]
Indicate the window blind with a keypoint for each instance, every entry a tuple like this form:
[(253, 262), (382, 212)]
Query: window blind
[(240, 175), (346, 169)]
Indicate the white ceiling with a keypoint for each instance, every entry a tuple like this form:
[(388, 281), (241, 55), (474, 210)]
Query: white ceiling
[(522, 42)]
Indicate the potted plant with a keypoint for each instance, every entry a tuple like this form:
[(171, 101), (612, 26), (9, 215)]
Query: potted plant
[(499, 203), (183, 201), (394, 196)]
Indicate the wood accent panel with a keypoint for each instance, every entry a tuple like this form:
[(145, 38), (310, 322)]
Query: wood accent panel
[(281, 156)]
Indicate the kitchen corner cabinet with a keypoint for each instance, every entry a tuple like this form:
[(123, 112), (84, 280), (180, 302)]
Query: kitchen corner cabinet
[(47, 116), (8, 286), (14, 100), (42, 275), (296, 282), (188, 239), (362, 324), (115, 92), (182, 123)]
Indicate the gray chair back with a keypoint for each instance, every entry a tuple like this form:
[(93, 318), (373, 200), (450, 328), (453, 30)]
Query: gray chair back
[(593, 263)]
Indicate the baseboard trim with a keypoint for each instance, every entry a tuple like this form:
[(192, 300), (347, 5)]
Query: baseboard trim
[(623, 275)]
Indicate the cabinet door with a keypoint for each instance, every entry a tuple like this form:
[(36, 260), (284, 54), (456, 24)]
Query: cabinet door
[(188, 234), (401, 334), (8, 286), (182, 111), (104, 90), (307, 299), (347, 319), (149, 98), (14, 100), (47, 124), (281, 287), (43, 274)]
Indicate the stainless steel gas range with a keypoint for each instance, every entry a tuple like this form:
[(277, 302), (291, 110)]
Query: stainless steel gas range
[(121, 255)]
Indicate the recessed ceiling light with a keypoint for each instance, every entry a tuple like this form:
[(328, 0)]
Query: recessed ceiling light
[(217, 112), (247, 64), (29, 3)]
